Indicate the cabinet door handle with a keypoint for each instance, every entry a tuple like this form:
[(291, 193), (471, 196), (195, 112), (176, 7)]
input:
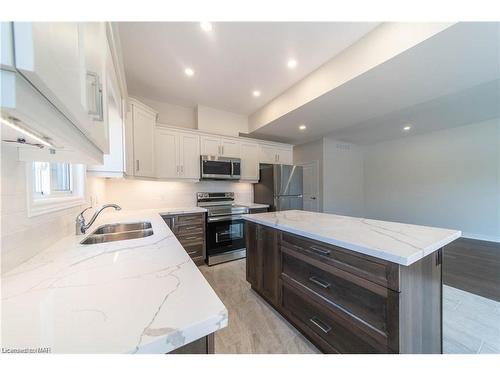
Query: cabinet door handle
[(319, 282), (137, 165), (177, 169), (182, 169), (321, 325), (94, 88), (320, 251), (222, 147)]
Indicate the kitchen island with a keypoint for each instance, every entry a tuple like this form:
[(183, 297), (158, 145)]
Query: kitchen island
[(351, 285), (141, 295)]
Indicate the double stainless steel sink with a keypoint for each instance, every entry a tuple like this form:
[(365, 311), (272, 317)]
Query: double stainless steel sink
[(119, 232)]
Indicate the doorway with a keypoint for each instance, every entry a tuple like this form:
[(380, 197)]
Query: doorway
[(310, 172)]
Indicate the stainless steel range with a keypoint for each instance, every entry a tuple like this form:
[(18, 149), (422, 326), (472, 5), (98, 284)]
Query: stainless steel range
[(225, 227)]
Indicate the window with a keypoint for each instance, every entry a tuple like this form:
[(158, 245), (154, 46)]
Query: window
[(54, 186), (51, 179)]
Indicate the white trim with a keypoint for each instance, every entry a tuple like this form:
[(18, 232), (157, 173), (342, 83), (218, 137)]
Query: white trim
[(36, 207), (481, 237)]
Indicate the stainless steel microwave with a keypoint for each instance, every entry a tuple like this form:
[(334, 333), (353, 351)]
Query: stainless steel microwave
[(220, 168)]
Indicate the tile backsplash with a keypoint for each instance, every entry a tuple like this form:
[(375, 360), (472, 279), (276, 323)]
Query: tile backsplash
[(139, 194), (21, 236)]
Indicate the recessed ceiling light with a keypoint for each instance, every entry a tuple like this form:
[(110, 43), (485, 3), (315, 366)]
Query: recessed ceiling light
[(206, 26), (302, 127), (189, 72), (292, 63), (407, 127), (256, 93)]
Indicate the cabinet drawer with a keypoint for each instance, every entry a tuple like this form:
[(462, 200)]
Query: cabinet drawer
[(190, 219), (189, 229), (194, 250), (326, 329), (368, 303), (369, 268), (187, 238)]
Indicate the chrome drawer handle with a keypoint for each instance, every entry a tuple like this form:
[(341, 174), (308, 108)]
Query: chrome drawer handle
[(191, 238), (322, 326), (320, 251), (319, 282), (192, 252)]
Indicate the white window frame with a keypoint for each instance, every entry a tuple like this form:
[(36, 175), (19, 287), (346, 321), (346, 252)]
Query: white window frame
[(39, 204)]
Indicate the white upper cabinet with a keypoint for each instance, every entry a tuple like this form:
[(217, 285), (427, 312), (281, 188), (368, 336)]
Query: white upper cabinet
[(173, 153), (220, 146), (6, 45), (65, 61), (177, 154), (274, 154), (230, 148), (167, 153), (96, 56), (190, 156), (285, 155), (143, 128), (114, 163), (249, 161), (211, 145)]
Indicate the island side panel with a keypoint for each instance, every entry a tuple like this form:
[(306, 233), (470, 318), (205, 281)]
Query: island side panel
[(421, 307), (204, 345)]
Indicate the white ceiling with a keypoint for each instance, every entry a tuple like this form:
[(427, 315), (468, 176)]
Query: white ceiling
[(230, 61), (447, 80)]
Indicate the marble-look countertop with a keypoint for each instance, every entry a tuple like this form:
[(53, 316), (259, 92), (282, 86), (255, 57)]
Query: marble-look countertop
[(181, 210), (396, 242), (136, 296), (253, 205)]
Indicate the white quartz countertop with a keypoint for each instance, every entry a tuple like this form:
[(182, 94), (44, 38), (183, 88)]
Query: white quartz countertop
[(396, 242), (254, 205), (136, 296)]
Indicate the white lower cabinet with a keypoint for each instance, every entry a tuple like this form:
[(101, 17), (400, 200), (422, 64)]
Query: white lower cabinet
[(249, 161), (177, 154)]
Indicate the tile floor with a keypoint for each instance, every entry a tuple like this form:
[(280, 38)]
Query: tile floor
[(471, 323)]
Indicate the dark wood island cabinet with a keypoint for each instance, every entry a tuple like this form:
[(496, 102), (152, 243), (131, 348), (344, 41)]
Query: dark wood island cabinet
[(190, 231), (345, 301)]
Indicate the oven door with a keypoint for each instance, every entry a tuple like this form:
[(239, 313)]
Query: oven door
[(225, 233)]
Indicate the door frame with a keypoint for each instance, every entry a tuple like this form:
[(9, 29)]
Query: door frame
[(315, 164)]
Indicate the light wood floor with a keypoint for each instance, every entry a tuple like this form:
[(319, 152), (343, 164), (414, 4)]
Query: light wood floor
[(254, 327)]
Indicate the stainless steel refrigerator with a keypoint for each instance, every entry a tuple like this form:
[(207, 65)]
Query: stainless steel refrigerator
[(279, 186)]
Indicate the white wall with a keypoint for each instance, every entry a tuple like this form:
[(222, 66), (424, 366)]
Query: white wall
[(448, 178), (139, 194), (220, 122), (172, 114), (21, 236), (343, 179), (309, 152)]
